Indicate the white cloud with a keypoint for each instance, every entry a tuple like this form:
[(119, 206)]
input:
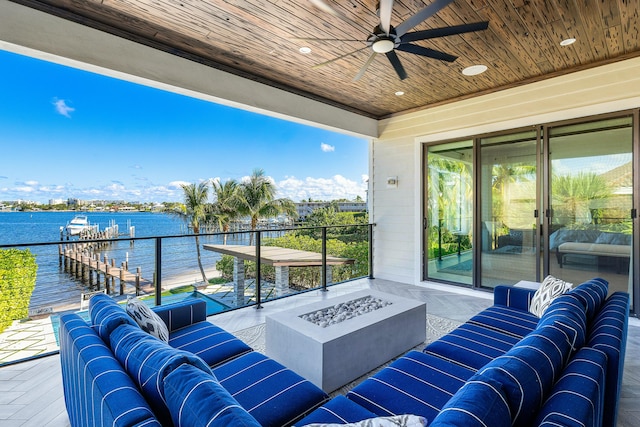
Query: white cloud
[(327, 148), (62, 108), (336, 187), (177, 185)]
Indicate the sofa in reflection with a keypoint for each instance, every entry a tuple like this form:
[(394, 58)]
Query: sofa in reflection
[(584, 246)]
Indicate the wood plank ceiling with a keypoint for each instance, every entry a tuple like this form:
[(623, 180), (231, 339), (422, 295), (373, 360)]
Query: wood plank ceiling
[(260, 39)]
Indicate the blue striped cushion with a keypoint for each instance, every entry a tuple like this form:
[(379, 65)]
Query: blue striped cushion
[(195, 398), (577, 397), (106, 315), (528, 371), (182, 313), (271, 393), (509, 296), (96, 388), (148, 360), (592, 293), (609, 334), (479, 403), (417, 383), (211, 343), (337, 410), (471, 345), (505, 319), (568, 313)]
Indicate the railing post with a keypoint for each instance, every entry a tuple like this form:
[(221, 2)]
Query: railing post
[(158, 275), (258, 272), (323, 273), (371, 251)]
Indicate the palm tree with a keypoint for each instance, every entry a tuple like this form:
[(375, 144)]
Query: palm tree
[(256, 199), (194, 212), (573, 193), (224, 207)]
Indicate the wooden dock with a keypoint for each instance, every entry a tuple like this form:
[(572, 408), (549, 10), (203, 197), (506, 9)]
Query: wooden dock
[(81, 261)]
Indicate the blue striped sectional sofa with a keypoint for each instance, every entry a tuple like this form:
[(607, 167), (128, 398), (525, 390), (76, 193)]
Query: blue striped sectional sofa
[(115, 374), (503, 367), (507, 367)]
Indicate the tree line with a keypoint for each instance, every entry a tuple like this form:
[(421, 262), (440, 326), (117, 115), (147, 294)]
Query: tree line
[(253, 198)]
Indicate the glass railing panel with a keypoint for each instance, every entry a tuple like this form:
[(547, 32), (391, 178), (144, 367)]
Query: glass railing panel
[(39, 282)]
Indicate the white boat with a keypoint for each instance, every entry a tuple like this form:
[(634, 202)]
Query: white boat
[(77, 225)]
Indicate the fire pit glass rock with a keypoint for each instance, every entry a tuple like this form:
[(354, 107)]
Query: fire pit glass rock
[(344, 311)]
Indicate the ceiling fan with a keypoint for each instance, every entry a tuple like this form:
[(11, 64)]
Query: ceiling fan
[(387, 39)]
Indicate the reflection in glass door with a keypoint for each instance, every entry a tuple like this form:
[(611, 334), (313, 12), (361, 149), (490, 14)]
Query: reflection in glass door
[(589, 218), (449, 212), (508, 209)]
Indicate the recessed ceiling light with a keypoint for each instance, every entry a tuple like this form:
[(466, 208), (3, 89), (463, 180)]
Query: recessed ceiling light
[(305, 50), (399, 93), (567, 42), (474, 70)]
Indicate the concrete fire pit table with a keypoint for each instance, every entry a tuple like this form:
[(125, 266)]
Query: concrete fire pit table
[(332, 356)]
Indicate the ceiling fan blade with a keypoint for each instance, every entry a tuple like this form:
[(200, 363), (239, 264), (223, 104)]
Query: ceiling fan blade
[(313, 39), (339, 57), (425, 51), (423, 14), (397, 65), (325, 7), (386, 7), (444, 31), (364, 67)]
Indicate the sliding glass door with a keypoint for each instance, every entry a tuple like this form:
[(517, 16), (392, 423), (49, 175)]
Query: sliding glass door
[(448, 224), (508, 207), (519, 205), (590, 201)]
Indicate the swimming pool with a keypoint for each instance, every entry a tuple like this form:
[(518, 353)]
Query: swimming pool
[(213, 306)]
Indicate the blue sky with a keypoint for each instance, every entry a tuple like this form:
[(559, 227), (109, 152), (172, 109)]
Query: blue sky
[(69, 133)]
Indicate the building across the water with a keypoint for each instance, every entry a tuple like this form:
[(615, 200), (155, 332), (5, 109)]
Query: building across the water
[(306, 208)]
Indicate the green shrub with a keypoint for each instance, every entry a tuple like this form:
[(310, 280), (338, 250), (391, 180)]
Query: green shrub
[(17, 281)]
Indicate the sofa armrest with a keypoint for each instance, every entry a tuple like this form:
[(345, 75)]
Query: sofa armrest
[(519, 298), (96, 388), (183, 313)]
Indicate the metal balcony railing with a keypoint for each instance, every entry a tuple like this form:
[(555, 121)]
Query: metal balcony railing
[(40, 281)]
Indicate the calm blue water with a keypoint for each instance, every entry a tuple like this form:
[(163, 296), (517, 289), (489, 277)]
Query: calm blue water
[(54, 286)]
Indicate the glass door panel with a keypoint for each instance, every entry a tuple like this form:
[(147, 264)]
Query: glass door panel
[(589, 220), (507, 207), (449, 212)]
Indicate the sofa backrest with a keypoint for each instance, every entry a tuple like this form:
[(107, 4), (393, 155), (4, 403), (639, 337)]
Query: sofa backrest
[(182, 313), (480, 402), (568, 313), (95, 385), (608, 333), (592, 293), (106, 315), (148, 361), (577, 398), (528, 371)]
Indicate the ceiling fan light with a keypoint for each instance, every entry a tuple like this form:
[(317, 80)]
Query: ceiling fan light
[(383, 46), (474, 70)]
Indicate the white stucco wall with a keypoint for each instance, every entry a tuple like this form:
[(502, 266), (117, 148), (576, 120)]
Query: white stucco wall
[(398, 212)]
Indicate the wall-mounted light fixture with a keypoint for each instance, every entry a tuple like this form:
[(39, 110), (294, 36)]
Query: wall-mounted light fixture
[(392, 181)]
